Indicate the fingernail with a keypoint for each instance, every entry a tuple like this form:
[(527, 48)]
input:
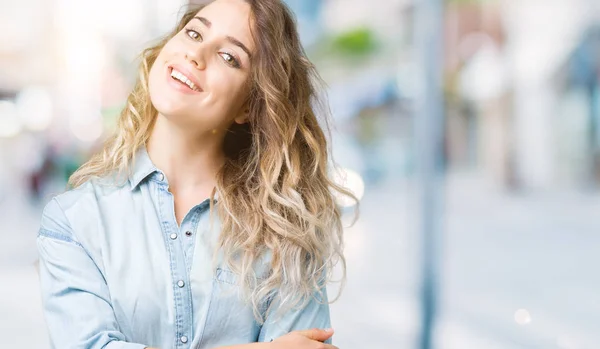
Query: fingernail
[(329, 330)]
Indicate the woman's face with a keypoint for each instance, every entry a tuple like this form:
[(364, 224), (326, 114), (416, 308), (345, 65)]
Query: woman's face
[(199, 79)]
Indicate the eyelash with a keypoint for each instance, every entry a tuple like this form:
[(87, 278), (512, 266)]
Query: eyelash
[(234, 62)]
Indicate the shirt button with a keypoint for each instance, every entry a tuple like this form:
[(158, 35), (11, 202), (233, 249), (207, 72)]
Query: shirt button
[(173, 236), (188, 233), (180, 283), (161, 176), (183, 339)]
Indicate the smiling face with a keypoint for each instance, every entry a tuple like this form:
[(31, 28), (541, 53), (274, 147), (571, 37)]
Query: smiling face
[(200, 77)]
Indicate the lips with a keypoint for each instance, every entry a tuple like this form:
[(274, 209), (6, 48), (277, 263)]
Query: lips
[(181, 77)]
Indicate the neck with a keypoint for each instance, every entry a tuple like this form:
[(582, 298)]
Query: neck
[(189, 160)]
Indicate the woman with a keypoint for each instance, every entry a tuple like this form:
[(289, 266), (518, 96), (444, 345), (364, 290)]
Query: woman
[(208, 219)]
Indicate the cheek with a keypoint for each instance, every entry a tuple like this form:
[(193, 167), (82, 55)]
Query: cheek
[(153, 81), (154, 84), (164, 99), (156, 76), (155, 72), (227, 87)]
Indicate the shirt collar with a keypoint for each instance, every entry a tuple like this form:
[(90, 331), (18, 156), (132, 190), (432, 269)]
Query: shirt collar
[(142, 167)]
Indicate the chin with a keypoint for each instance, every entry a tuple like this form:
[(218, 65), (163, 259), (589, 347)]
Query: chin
[(175, 113), (169, 103), (176, 116), (165, 104)]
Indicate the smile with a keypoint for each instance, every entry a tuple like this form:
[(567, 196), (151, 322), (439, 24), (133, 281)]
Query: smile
[(179, 76)]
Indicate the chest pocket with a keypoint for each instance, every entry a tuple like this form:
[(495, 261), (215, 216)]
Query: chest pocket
[(229, 319), (226, 276)]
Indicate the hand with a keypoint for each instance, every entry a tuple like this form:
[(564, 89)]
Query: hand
[(307, 339)]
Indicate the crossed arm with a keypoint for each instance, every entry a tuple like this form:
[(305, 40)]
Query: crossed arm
[(79, 313), (306, 339)]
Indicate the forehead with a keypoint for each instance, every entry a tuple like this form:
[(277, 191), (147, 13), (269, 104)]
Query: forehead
[(230, 18)]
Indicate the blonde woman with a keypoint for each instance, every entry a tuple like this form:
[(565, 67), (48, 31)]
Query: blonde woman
[(208, 219)]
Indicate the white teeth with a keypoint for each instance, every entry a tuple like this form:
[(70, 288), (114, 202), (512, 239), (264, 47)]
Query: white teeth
[(179, 76)]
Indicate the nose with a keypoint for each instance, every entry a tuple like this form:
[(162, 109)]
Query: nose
[(196, 59)]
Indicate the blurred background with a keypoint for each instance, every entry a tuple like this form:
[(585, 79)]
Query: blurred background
[(517, 223)]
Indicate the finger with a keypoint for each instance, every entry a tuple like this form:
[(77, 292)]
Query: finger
[(314, 334), (330, 346), (317, 334)]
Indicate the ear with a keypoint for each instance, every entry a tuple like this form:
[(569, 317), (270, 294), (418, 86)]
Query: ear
[(243, 118)]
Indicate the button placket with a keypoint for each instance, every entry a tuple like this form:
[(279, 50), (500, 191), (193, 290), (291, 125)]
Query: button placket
[(183, 312), (187, 230)]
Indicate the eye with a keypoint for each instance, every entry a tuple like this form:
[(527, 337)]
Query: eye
[(229, 59), (194, 35)]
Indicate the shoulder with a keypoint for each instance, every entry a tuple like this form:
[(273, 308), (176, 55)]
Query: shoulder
[(80, 202)]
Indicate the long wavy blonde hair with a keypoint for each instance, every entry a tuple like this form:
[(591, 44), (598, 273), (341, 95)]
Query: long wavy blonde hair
[(275, 193)]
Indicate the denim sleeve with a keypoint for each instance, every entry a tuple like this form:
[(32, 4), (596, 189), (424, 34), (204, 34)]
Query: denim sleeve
[(315, 314), (75, 296)]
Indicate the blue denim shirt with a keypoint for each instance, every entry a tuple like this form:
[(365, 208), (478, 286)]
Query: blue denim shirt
[(117, 271)]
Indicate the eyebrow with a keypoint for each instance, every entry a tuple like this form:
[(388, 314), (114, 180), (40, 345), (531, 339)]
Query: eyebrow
[(231, 39)]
